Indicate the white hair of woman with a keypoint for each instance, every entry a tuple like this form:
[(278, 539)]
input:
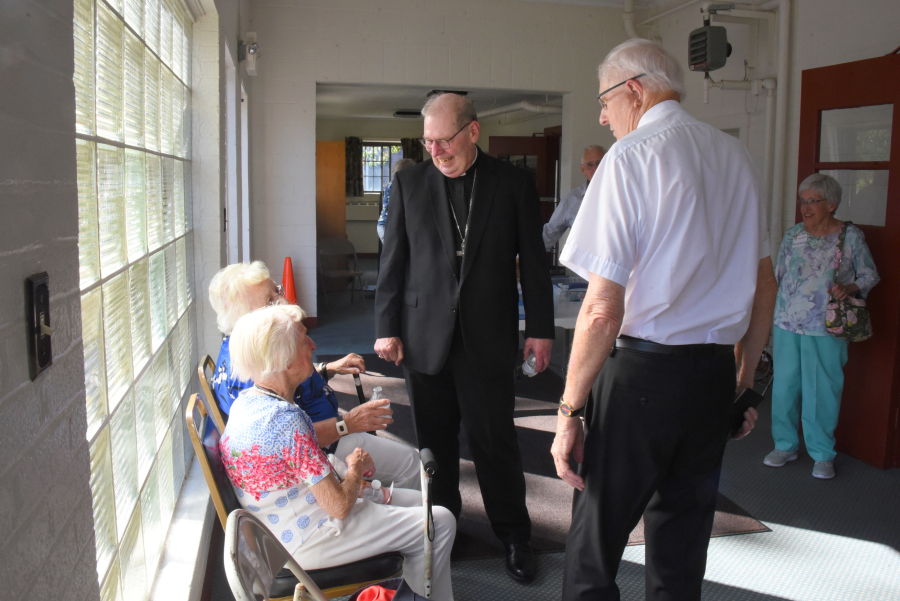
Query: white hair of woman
[(265, 341), (823, 185), (636, 56), (229, 292)]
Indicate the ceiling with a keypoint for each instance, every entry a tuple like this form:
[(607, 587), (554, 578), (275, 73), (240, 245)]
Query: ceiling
[(639, 5), (354, 101)]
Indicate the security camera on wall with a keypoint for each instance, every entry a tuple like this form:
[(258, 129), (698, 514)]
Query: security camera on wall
[(248, 52), (708, 48)]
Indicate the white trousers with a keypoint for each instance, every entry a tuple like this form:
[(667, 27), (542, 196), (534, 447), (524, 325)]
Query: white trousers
[(371, 529), (395, 462)]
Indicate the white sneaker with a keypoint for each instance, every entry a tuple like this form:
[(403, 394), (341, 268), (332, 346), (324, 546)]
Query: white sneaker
[(778, 458), (823, 470)]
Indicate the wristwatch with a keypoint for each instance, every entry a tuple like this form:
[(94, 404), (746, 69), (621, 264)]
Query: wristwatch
[(322, 368), (567, 410), (342, 428)]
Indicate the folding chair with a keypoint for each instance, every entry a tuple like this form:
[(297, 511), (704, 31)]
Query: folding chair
[(340, 247), (253, 558), (337, 581), (210, 398)]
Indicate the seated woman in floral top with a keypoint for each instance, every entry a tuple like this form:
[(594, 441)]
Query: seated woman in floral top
[(272, 457)]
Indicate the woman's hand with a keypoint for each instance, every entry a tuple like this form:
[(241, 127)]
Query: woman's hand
[(841, 292), (362, 461), (369, 416), (351, 364)]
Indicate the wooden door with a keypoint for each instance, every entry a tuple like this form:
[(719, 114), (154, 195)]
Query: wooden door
[(331, 203), (331, 198), (850, 128)]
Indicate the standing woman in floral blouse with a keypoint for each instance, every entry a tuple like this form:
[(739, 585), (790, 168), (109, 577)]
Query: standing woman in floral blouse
[(272, 457), (809, 375)]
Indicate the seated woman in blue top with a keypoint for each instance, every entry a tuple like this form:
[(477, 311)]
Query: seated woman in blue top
[(243, 287)]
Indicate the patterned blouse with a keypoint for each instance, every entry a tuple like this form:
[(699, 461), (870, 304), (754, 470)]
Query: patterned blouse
[(805, 273), (272, 458)]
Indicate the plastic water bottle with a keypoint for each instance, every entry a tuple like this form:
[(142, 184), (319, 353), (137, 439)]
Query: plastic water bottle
[(528, 367), (377, 395), (375, 493)]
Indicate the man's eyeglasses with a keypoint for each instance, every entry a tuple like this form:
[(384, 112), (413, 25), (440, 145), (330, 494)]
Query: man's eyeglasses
[(608, 90), (590, 164), (809, 201), (445, 144)]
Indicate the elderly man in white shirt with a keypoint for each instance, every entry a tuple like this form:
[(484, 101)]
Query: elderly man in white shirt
[(672, 238), (564, 215)]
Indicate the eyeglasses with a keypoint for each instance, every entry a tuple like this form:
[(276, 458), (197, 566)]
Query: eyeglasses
[(608, 90), (445, 144), (810, 201), (590, 164)]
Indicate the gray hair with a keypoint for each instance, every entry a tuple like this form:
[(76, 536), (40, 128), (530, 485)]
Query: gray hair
[(596, 147), (230, 292), (401, 165), (825, 186), (464, 109), (661, 71)]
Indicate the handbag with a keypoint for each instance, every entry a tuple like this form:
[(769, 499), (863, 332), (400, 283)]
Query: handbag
[(847, 318)]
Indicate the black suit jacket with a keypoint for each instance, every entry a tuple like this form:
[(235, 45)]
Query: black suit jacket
[(419, 297)]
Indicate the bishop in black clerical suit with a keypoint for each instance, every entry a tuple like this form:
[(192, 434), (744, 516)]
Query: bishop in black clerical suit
[(446, 305)]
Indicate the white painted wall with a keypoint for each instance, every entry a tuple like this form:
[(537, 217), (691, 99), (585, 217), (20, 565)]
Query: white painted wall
[(533, 46)]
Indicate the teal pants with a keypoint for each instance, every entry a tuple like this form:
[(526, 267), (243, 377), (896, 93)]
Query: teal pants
[(809, 379)]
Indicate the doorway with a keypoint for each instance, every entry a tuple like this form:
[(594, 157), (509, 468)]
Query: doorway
[(850, 129)]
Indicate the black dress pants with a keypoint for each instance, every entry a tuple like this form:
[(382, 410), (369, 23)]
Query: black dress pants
[(484, 406), (654, 446)]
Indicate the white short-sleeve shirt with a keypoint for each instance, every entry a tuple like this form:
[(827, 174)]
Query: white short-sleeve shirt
[(675, 214)]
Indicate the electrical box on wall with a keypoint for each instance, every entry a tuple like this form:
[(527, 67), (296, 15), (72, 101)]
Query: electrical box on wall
[(37, 314), (708, 48)]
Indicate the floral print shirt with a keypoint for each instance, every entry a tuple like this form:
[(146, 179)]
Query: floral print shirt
[(271, 455), (805, 273)]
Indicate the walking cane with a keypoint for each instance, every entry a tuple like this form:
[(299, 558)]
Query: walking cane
[(428, 468), (359, 393)]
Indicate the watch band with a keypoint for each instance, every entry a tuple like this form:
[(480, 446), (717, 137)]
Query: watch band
[(342, 428), (568, 411), (322, 368)]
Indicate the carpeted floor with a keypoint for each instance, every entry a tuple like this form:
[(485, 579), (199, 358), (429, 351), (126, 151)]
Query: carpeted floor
[(549, 498)]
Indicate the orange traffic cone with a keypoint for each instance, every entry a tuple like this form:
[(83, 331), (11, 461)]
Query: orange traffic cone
[(287, 282)]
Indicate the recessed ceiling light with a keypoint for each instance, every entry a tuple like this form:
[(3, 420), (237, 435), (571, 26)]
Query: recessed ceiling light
[(407, 113), (433, 92)]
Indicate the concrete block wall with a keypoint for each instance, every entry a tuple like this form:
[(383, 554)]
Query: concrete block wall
[(46, 522), (531, 46)]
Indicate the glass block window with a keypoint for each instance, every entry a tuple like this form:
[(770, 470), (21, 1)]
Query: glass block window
[(135, 246)]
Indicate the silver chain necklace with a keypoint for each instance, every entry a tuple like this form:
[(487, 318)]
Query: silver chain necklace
[(463, 235)]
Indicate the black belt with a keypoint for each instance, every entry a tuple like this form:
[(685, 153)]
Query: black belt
[(697, 350)]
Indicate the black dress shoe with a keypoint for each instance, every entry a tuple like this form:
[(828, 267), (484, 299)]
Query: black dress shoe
[(521, 562)]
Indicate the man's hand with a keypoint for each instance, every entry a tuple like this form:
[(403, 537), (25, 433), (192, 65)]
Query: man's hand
[(390, 349), (351, 364), (569, 439), (369, 416), (750, 417), (541, 348)]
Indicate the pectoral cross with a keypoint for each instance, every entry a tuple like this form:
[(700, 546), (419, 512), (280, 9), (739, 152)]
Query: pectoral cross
[(462, 250)]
